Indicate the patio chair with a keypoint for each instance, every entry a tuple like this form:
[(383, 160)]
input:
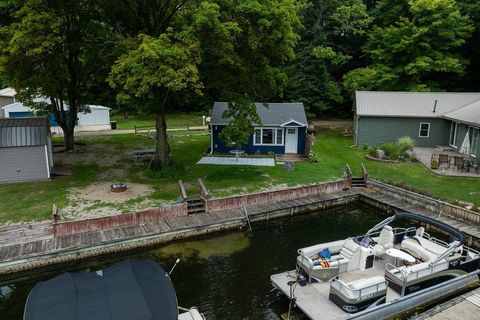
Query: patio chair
[(458, 162), (443, 159)]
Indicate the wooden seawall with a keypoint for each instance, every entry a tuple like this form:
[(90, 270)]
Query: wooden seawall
[(26, 248)]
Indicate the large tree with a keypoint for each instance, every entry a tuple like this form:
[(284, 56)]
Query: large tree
[(234, 49), (50, 48), (414, 46), (333, 34)]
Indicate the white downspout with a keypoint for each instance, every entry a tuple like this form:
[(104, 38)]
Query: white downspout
[(47, 161), (211, 139)]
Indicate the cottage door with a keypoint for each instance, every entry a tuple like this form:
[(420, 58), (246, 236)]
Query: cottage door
[(291, 140)]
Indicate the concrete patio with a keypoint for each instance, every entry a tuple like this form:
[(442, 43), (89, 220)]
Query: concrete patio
[(238, 161), (424, 155)]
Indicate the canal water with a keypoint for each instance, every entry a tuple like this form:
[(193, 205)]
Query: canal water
[(227, 275)]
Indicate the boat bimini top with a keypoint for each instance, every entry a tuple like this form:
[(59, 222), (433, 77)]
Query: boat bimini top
[(458, 235)]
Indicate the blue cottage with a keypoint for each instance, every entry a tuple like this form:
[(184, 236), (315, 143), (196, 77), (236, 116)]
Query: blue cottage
[(283, 130)]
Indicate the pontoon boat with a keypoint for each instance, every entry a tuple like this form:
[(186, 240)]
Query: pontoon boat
[(386, 271)]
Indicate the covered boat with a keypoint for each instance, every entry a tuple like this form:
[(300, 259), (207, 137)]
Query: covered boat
[(129, 290)]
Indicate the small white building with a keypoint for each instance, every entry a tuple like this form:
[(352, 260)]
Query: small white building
[(97, 119)]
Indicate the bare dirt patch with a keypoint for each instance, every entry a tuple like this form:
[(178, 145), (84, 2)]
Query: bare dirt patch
[(101, 192), (97, 200)]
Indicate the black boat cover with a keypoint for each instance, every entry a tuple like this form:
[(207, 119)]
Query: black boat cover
[(129, 290)]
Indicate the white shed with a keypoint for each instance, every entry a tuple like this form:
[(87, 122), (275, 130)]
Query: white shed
[(97, 119)]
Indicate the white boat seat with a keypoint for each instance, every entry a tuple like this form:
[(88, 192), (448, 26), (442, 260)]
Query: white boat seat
[(367, 285), (431, 246), (384, 242), (415, 249)]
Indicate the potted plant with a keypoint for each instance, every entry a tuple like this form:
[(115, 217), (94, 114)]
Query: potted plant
[(434, 164)]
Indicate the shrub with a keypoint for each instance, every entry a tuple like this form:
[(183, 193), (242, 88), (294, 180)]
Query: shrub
[(313, 157), (392, 150), (405, 143), (365, 146), (372, 151)]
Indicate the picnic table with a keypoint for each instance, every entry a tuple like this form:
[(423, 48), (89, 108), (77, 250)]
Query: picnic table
[(143, 154)]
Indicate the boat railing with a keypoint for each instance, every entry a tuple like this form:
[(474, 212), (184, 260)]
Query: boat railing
[(358, 293), (405, 274), (438, 241)]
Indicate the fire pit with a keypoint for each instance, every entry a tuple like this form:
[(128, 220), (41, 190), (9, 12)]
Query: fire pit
[(118, 187)]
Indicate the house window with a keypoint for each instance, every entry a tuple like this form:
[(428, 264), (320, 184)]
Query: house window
[(258, 136), (424, 131), (268, 136), (291, 131), (453, 134), (279, 136)]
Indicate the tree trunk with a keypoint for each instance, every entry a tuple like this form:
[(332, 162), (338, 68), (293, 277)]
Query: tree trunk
[(68, 136), (163, 148)]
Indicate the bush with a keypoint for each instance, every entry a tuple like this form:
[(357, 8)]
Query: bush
[(405, 143), (392, 150), (372, 151), (313, 157), (365, 146)]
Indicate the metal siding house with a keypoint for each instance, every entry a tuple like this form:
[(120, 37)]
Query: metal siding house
[(283, 130), (25, 149), (430, 118)]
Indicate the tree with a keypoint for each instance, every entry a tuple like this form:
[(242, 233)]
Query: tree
[(240, 128), (330, 46), (151, 70), (49, 49), (416, 50), (235, 50)]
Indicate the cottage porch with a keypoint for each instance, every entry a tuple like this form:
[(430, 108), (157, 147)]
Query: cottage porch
[(425, 154)]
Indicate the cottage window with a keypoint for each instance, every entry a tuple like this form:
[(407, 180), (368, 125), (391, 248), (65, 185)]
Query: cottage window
[(279, 136), (258, 136), (268, 136), (424, 131)]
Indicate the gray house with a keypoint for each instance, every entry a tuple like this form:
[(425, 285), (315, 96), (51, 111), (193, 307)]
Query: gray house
[(25, 149), (430, 118)]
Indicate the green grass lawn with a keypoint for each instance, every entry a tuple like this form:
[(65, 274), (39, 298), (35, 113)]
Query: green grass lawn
[(107, 160), (180, 120)]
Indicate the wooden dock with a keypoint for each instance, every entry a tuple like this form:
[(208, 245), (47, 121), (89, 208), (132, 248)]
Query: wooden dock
[(466, 307), (33, 246)]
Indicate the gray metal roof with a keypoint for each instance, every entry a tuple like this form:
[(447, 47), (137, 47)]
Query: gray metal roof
[(129, 290), (8, 92), (467, 114), (274, 114), (411, 104), (21, 132)]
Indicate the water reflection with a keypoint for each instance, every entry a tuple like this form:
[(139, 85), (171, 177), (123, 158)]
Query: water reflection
[(203, 249)]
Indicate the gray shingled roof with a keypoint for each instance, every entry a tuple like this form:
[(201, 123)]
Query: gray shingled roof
[(273, 115), (21, 132), (468, 114), (411, 104)]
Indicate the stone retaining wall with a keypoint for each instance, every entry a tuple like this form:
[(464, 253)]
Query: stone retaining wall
[(275, 196), (426, 202), (104, 223)]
